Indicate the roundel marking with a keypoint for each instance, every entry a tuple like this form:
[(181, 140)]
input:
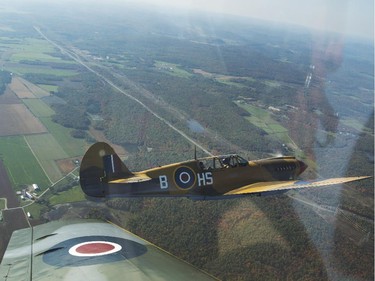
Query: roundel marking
[(184, 177), (94, 248), (91, 250)]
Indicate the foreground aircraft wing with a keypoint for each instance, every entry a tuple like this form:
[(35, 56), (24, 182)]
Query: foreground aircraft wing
[(89, 250), (274, 186)]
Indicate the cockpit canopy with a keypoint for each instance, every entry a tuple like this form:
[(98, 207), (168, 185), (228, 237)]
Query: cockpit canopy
[(222, 161)]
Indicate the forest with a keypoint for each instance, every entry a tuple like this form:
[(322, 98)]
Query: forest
[(5, 79)]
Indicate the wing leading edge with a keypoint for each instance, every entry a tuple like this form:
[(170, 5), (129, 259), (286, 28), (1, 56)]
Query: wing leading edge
[(263, 187), (90, 250)]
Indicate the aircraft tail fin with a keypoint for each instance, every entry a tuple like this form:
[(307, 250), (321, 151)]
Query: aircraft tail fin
[(100, 165)]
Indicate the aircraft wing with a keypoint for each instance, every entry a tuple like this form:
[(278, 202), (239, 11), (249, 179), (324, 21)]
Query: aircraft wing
[(89, 250), (274, 186)]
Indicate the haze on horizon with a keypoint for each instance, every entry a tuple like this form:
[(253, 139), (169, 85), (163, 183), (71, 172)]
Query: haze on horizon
[(351, 17), (348, 17)]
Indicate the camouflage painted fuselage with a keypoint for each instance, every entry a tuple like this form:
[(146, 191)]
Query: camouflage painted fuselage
[(104, 175)]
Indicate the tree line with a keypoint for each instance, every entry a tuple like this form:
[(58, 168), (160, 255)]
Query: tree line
[(5, 79)]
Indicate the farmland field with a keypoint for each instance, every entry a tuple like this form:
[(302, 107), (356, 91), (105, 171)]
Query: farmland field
[(48, 88), (47, 151), (32, 55), (22, 69), (6, 191), (20, 89), (73, 147), (34, 49), (36, 90), (262, 119), (26, 120), (38, 107), (9, 97), (16, 119), (172, 69), (74, 194), (34, 209), (21, 164), (7, 43)]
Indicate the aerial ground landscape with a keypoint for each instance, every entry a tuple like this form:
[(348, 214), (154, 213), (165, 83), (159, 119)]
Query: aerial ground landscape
[(155, 83)]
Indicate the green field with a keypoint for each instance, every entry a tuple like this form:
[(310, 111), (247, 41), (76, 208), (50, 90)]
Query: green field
[(35, 210), (2, 203), (352, 122), (172, 69), (47, 150), (38, 107), (263, 119), (74, 194), (48, 88), (272, 83), (230, 83), (21, 164), (33, 49), (22, 69), (7, 43), (30, 55), (73, 147)]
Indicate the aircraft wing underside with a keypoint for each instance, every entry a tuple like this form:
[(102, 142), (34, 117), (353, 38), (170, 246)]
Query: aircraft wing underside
[(262, 187), (89, 250)]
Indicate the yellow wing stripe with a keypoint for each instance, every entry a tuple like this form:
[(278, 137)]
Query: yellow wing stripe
[(294, 184), (136, 178)]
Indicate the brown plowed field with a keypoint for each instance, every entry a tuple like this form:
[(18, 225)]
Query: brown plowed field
[(13, 220), (34, 89), (20, 89), (66, 165), (16, 119), (9, 97)]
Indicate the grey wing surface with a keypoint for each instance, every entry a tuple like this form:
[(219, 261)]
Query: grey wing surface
[(89, 250)]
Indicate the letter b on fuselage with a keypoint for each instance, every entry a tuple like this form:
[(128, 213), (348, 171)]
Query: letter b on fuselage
[(163, 182)]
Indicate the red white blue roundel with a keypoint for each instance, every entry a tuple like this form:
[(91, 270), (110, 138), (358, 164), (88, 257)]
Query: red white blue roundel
[(184, 177), (90, 250), (94, 249)]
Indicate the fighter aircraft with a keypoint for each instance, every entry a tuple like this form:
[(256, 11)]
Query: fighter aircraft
[(104, 175)]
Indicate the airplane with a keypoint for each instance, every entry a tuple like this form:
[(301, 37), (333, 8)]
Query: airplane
[(104, 175), (89, 250)]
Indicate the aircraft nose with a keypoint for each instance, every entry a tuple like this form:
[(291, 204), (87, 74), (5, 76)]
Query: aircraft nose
[(302, 166)]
